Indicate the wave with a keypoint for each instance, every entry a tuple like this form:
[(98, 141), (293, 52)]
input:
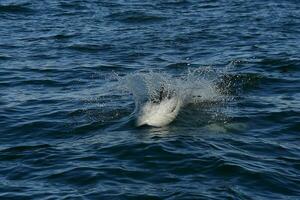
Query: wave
[(85, 47), (176, 3), (5, 57), (15, 8), (135, 17)]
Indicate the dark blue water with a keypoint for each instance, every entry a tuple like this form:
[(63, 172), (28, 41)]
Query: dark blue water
[(66, 133)]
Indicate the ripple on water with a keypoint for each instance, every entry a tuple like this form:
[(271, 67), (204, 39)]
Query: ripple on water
[(134, 17), (67, 122), (22, 8)]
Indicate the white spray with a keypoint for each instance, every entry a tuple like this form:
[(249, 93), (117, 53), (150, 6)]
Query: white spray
[(195, 86)]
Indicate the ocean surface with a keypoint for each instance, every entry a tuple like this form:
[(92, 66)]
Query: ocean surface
[(74, 72)]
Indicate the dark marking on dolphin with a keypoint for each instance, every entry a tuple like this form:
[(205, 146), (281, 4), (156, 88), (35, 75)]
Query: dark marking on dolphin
[(161, 95)]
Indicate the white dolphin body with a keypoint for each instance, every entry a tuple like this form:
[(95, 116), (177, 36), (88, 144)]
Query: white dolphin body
[(158, 114)]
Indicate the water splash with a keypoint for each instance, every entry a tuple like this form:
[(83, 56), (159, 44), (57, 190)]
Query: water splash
[(195, 86)]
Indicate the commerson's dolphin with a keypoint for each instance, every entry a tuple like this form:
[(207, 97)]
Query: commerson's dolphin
[(160, 110)]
